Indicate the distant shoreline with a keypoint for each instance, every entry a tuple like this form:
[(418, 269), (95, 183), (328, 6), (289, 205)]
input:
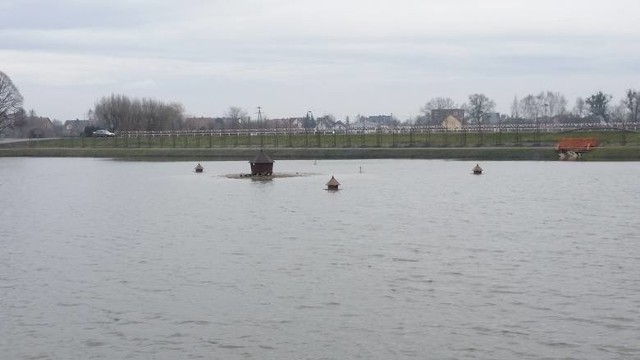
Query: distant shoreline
[(613, 153)]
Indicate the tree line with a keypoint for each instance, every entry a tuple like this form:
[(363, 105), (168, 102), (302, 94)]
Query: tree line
[(122, 113), (544, 105)]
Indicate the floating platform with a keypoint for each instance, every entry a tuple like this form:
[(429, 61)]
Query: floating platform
[(266, 177)]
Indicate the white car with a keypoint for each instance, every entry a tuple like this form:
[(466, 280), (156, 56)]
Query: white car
[(103, 133)]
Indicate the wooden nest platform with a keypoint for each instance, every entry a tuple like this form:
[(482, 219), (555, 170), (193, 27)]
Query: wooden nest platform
[(265, 177)]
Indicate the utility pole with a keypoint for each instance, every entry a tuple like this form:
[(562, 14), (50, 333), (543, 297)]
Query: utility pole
[(261, 127)]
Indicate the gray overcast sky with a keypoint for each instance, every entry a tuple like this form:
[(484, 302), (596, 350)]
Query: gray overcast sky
[(340, 57)]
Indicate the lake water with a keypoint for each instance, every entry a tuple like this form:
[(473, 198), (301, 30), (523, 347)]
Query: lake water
[(103, 259)]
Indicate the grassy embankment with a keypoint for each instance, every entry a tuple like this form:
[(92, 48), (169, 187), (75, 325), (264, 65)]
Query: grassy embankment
[(615, 145)]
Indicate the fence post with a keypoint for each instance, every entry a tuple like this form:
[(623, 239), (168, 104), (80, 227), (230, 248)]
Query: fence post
[(413, 136)]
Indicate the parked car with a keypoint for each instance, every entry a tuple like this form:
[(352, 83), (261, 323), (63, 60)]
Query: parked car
[(103, 133)]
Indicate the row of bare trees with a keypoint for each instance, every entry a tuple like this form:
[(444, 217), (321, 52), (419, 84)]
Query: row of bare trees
[(477, 108), (599, 105), (121, 113), (546, 104), (118, 112)]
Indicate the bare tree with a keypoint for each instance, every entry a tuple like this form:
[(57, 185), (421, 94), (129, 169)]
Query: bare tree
[(58, 127), (554, 103), (237, 115), (114, 113), (530, 106), (515, 108), (20, 121), (479, 106), (580, 109), (118, 112), (173, 115), (10, 102), (619, 113), (437, 103), (546, 103), (155, 115), (632, 103)]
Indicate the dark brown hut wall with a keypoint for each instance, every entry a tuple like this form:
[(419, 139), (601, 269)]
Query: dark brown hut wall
[(261, 164), (261, 168)]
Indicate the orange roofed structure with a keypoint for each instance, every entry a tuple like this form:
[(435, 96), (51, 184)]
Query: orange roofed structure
[(572, 148)]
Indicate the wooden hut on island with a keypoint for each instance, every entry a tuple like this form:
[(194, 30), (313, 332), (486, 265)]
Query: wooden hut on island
[(261, 165), (199, 168), (477, 170), (332, 184)]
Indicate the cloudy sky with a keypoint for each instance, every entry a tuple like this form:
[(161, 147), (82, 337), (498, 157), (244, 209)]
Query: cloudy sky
[(340, 57)]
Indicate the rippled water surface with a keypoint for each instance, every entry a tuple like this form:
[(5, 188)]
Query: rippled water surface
[(104, 259)]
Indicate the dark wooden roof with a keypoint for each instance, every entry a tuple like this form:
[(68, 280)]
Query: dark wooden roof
[(262, 158)]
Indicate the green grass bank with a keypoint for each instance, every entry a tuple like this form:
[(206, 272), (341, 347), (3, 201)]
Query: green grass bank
[(614, 146), (619, 153)]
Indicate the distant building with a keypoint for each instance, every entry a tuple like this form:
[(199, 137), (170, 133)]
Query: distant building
[(325, 123), (38, 127), (287, 123), (340, 126), (380, 119), (373, 122), (74, 127), (450, 119), (492, 118), (209, 123), (198, 123), (451, 123), (438, 115)]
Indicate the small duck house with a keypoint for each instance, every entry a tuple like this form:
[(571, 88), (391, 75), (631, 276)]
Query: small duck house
[(199, 168), (261, 165), (477, 170), (332, 184)]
